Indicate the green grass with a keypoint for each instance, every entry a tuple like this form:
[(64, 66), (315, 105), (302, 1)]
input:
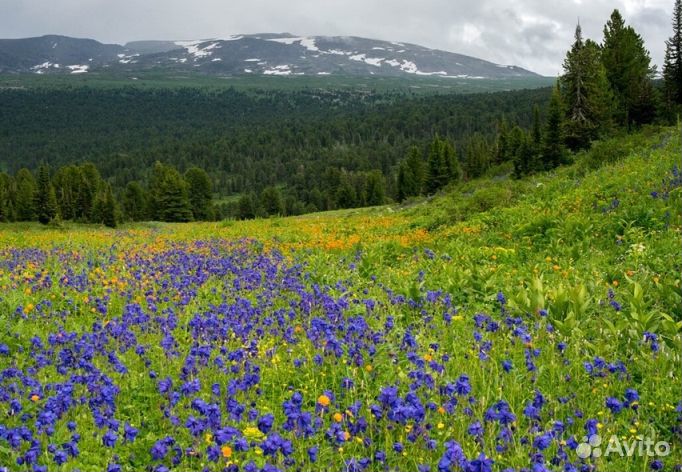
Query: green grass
[(588, 243)]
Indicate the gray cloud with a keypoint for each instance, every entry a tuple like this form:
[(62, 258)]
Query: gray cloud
[(533, 33)]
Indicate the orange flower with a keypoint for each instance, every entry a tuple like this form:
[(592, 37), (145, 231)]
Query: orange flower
[(323, 400), (338, 417), (35, 398), (227, 451)]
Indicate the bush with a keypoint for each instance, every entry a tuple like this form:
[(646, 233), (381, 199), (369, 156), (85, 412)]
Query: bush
[(604, 152)]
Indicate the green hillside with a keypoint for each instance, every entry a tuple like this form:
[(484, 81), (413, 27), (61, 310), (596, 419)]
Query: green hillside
[(497, 324)]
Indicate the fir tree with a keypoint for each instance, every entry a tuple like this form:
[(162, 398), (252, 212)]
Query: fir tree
[(672, 66), (200, 193), (477, 156), (411, 174), (271, 201), (134, 202), (45, 198), (345, 193), (375, 189), (586, 93), (246, 207), (553, 150), (25, 196), (629, 72), (88, 187), (6, 208), (525, 154), (443, 166), (169, 194)]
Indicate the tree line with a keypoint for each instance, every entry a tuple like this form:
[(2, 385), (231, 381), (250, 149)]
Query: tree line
[(78, 193), (604, 89), (187, 154)]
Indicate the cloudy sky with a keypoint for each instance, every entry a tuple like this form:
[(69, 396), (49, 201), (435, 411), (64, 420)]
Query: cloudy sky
[(531, 33)]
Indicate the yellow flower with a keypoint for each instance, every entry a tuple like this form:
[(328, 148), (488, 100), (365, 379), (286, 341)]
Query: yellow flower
[(208, 438), (338, 417), (323, 400), (368, 367), (441, 426)]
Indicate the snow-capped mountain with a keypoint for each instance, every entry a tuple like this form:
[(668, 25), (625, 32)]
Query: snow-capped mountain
[(256, 54)]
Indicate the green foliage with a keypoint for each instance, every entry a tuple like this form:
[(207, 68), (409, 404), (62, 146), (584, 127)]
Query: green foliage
[(443, 166), (605, 152), (553, 150), (271, 201), (25, 196), (629, 72), (586, 93), (411, 174), (200, 193), (135, 202), (672, 65), (169, 194), (45, 200), (376, 192)]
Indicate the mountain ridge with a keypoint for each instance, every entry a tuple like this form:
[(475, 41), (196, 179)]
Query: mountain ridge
[(279, 54)]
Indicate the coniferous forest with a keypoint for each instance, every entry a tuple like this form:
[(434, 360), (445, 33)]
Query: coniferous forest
[(110, 154)]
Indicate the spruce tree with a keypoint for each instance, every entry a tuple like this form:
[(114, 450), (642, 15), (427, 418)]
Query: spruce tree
[(271, 201), (45, 198), (411, 174), (345, 193), (6, 210), (477, 156), (246, 208), (200, 193), (375, 189), (525, 154), (134, 202), (88, 188), (169, 194), (109, 212), (443, 165), (553, 150), (672, 66), (629, 72), (25, 196), (585, 93)]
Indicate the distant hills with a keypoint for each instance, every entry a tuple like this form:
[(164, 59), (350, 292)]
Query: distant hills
[(243, 55)]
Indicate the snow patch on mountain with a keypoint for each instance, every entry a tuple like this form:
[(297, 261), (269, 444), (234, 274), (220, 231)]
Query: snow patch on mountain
[(372, 61), (199, 48), (78, 69), (284, 69), (308, 43)]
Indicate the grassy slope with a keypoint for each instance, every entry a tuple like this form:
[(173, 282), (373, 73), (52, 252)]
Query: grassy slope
[(557, 241)]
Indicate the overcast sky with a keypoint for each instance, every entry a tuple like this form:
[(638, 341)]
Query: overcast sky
[(530, 33)]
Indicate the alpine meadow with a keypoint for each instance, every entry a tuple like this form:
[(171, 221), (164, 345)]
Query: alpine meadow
[(268, 252)]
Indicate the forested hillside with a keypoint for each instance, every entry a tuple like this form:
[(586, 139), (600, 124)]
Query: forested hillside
[(301, 140)]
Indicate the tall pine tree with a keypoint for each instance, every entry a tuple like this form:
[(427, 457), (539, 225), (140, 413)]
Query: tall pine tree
[(553, 150), (672, 66), (585, 93), (25, 197), (45, 198), (411, 174), (629, 72), (169, 194), (200, 193)]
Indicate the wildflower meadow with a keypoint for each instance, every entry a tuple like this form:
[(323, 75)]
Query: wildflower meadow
[(519, 325)]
